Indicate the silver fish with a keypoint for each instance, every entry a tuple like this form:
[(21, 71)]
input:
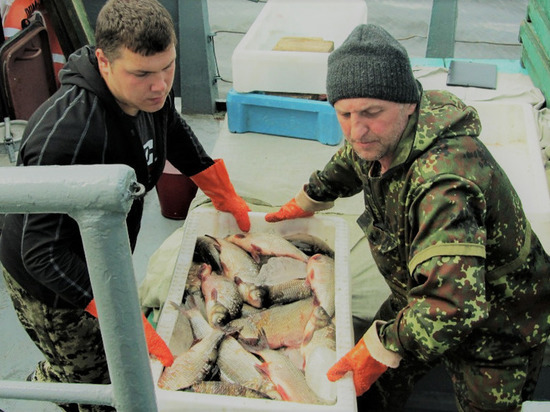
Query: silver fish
[(281, 269), (319, 355), (207, 250), (320, 276), (319, 319), (282, 325), (182, 335), (310, 244), (236, 262), (194, 365), (254, 295), (318, 363), (287, 377), (266, 244), (222, 297), (323, 337), (226, 388), (197, 319), (239, 266), (289, 291), (193, 281), (238, 365), (248, 310)]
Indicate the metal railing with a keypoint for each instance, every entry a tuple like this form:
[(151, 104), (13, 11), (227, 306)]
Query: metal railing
[(98, 197)]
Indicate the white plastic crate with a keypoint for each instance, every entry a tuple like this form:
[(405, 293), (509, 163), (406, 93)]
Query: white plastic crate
[(510, 132), (255, 66), (334, 232)]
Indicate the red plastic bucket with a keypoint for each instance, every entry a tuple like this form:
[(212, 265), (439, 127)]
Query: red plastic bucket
[(175, 192)]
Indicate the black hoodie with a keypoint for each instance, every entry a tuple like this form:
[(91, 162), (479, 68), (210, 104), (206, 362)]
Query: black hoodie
[(83, 124)]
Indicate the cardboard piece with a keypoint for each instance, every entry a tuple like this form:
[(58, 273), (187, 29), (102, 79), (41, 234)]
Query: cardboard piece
[(304, 44)]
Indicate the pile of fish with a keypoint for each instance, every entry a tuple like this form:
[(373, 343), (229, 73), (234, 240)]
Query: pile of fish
[(257, 319)]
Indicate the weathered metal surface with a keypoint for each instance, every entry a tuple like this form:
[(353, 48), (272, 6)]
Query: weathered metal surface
[(441, 37)]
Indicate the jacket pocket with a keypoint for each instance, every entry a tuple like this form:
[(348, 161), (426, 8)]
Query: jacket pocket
[(382, 241)]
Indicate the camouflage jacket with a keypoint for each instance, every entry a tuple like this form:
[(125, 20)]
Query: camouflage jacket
[(449, 234)]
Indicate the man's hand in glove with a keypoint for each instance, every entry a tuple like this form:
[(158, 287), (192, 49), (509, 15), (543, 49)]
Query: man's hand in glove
[(300, 206), (215, 184), (290, 210), (155, 344), (366, 365)]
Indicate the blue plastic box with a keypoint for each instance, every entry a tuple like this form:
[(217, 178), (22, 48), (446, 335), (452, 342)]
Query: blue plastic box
[(282, 116)]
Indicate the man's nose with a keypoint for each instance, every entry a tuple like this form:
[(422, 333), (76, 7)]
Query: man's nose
[(160, 82), (358, 126)]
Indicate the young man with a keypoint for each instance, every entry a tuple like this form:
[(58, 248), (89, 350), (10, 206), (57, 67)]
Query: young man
[(470, 280), (115, 105)]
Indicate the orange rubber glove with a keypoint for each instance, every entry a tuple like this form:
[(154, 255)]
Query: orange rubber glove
[(290, 210), (215, 184), (368, 360), (366, 370), (155, 344), (300, 206)]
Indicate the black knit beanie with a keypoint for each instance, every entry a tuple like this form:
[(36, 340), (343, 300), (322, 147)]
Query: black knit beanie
[(371, 63)]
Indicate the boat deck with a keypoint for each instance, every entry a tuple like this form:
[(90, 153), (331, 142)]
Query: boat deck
[(485, 30)]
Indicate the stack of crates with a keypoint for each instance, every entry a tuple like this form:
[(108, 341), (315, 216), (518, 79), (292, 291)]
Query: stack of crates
[(280, 91), (535, 39)]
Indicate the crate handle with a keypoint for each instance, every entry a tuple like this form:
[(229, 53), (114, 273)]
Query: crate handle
[(35, 53)]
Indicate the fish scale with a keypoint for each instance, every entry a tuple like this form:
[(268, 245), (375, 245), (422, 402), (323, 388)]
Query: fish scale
[(290, 381), (194, 365), (283, 325), (239, 366)]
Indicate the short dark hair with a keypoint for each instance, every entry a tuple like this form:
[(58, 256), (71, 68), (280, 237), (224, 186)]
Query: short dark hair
[(143, 26)]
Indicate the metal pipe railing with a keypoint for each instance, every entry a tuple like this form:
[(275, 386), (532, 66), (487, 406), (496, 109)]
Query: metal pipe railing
[(98, 197)]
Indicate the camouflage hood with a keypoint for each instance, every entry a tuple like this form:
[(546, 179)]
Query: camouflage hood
[(440, 115)]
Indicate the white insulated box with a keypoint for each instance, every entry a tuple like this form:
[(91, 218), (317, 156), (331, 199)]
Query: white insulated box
[(257, 67), (206, 220)]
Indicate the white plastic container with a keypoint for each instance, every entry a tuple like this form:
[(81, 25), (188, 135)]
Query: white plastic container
[(513, 140), (206, 220), (255, 66)]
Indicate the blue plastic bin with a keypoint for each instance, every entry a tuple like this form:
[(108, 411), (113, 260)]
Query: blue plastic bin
[(282, 116)]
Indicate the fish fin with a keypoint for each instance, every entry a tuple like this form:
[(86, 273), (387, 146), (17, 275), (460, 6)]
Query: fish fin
[(217, 245), (224, 269), (316, 300), (256, 344), (263, 342), (308, 335), (231, 330), (176, 306), (255, 252), (190, 302), (215, 239), (283, 393), (310, 276), (263, 368), (205, 270)]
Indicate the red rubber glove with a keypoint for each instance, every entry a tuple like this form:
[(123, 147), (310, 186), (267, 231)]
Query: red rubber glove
[(366, 370), (215, 184), (155, 344), (290, 210)]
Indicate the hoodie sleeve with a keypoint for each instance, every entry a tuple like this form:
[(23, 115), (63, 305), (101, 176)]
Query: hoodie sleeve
[(183, 148), (50, 246)]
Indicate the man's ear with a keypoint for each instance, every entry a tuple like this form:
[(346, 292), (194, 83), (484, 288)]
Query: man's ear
[(411, 108), (102, 61)]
